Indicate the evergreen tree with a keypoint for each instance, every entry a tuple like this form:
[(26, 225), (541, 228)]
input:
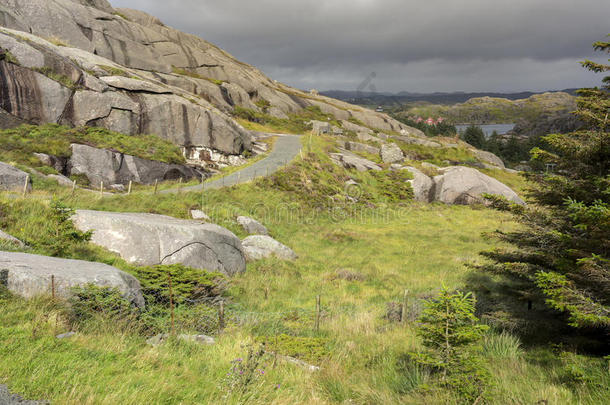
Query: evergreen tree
[(564, 250), (474, 136)]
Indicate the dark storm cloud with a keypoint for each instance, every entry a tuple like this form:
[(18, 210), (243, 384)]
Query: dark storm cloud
[(422, 45)]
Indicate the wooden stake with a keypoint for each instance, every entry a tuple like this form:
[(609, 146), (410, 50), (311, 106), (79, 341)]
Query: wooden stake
[(171, 303), (180, 185), (221, 316), (156, 184), (405, 305), (101, 189), (25, 186), (73, 187), (317, 324), (129, 187), (52, 286)]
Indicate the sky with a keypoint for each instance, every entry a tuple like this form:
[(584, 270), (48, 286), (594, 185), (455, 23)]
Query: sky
[(407, 45)]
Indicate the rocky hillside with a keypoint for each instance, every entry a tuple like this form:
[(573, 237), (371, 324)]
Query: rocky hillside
[(485, 110), (81, 62)]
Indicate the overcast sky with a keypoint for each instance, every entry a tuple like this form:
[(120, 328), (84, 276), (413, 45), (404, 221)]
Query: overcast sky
[(411, 45)]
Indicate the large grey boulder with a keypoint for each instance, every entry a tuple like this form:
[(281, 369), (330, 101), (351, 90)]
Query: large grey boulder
[(117, 168), (361, 147), (30, 275), (391, 153), (13, 179), (489, 157), (416, 141), (258, 247), (149, 239), (350, 161), (464, 185), (422, 185), (11, 239), (252, 226)]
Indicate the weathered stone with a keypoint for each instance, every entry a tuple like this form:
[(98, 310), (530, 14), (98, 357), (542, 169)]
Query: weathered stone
[(120, 188), (13, 179), (161, 337), (417, 141), (489, 157), (422, 185), (200, 215), (127, 83), (391, 153), (464, 185), (11, 239), (258, 247), (350, 161), (30, 275), (320, 127), (252, 226), (148, 239), (117, 168), (61, 180), (66, 335), (52, 161), (361, 147)]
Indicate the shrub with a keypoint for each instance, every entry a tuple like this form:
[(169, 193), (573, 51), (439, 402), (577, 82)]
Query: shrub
[(189, 285), (91, 301), (448, 328), (309, 349)]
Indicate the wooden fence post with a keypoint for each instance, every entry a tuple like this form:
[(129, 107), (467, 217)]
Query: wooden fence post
[(25, 185), (156, 184), (171, 303), (405, 306), (317, 324), (52, 286), (129, 187), (221, 316), (73, 187)]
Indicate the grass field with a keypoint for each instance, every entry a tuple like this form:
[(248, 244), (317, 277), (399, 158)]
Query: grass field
[(357, 257)]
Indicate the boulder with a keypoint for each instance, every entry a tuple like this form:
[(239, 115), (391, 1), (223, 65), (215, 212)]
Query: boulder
[(320, 127), (117, 168), (11, 239), (350, 161), (200, 215), (61, 180), (391, 153), (56, 163), (252, 226), (13, 179), (258, 247), (149, 239), (361, 147), (464, 185), (489, 157), (422, 185), (30, 275), (417, 141)]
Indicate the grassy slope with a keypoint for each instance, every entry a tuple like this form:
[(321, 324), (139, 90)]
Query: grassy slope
[(393, 246)]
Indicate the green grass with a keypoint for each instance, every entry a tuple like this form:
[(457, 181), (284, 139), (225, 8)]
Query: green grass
[(184, 72), (391, 244), (19, 144), (8, 57), (295, 123), (114, 71)]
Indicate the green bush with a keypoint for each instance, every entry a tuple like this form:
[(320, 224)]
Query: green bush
[(310, 349), (91, 301), (188, 285)]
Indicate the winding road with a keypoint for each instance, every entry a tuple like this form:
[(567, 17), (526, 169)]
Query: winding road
[(285, 148)]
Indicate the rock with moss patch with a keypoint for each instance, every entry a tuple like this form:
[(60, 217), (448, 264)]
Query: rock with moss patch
[(422, 185), (351, 161), (30, 276), (257, 247), (11, 239), (149, 239), (252, 226), (391, 153), (13, 179)]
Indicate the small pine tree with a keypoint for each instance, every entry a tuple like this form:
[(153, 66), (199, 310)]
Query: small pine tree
[(474, 136), (448, 328)]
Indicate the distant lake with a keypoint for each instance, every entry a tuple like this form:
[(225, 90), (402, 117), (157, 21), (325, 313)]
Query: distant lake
[(489, 128)]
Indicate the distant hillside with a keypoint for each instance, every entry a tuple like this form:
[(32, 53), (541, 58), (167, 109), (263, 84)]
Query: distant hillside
[(397, 99), (485, 110)]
